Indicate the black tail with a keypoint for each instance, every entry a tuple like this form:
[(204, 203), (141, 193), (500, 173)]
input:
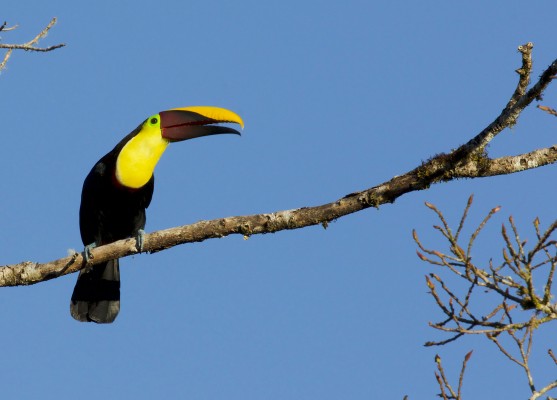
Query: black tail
[(96, 295)]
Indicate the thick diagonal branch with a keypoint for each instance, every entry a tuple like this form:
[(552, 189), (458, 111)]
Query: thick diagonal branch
[(469, 160)]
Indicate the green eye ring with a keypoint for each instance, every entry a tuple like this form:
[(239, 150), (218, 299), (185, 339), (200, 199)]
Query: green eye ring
[(153, 120)]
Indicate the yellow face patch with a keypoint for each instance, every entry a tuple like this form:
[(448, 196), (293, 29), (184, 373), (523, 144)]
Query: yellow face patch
[(138, 158)]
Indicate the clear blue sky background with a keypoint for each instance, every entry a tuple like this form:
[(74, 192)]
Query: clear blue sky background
[(337, 97)]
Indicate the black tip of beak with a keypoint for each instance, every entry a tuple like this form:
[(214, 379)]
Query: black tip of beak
[(178, 125)]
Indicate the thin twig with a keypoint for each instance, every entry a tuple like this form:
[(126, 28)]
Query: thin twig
[(492, 212), (461, 377), (464, 216), (548, 110), (550, 352), (4, 27), (443, 381), (5, 60)]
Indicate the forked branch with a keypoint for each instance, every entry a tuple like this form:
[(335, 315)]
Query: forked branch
[(27, 46), (446, 391)]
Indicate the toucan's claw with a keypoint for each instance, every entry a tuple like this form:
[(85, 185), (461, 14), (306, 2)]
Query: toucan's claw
[(140, 240), (87, 255)]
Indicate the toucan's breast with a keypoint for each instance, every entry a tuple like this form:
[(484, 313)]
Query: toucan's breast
[(138, 158)]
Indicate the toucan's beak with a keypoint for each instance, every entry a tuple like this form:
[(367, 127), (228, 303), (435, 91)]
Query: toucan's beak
[(193, 122)]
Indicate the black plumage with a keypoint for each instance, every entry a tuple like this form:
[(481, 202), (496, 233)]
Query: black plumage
[(108, 212)]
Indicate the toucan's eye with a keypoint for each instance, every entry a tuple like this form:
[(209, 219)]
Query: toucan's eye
[(154, 120)]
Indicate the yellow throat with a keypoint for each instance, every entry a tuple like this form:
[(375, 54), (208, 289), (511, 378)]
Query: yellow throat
[(137, 159)]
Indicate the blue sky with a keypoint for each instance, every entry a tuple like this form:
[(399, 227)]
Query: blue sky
[(336, 97)]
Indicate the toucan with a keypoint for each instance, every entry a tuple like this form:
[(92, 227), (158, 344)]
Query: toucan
[(117, 191)]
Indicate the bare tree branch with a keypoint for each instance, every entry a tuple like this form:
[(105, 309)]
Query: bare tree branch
[(469, 160), (5, 28), (544, 390), (511, 304), (447, 392), (548, 110), (28, 46)]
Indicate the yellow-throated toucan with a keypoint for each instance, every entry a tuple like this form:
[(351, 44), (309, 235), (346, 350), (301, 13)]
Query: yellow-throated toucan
[(118, 190)]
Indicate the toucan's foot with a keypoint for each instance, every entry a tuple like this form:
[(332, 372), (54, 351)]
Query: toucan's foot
[(87, 252), (139, 240)]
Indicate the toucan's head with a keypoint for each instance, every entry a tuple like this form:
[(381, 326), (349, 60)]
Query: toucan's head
[(138, 157)]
